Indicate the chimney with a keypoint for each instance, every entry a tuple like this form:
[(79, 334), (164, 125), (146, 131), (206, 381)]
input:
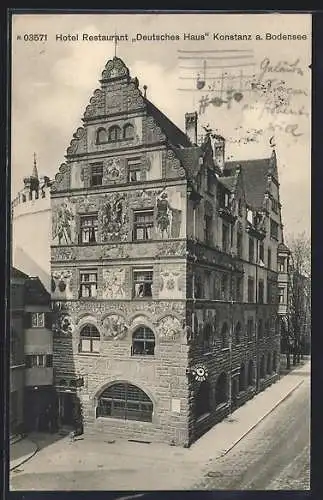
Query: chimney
[(191, 126), (218, 147)]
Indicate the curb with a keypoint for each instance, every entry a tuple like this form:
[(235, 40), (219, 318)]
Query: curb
[(262, 418), (27, 458)]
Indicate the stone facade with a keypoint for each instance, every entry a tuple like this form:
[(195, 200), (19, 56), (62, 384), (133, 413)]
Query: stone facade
[(157, 243)]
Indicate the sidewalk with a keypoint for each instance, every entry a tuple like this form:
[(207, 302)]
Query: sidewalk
[(124, 465), (21, 451)]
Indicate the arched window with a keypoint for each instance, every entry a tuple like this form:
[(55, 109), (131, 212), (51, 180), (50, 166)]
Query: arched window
[(143, 342), (101, 135), (221, 389), (202, 399), (275, 362), (114, 133), (89, 339), (250, 373), (269, 364), (238, 332), (262, 367), (128, 131), (225, 336), (242, 378), (126, 401)]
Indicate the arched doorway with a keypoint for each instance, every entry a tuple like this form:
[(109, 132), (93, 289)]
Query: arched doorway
[(125, 401)]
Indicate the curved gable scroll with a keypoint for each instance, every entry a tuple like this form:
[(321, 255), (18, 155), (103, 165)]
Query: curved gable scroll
[(62, 178)]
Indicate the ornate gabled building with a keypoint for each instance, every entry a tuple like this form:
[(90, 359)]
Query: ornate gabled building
[(164, 270)]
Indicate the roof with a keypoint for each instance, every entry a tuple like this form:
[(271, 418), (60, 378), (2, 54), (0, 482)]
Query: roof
[(228, 182), (175, 135), (189, 157), (15, 273), (35, 292), (283, 248), (255, 178)]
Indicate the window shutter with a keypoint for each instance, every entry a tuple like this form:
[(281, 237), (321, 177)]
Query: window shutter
[(27, 320)]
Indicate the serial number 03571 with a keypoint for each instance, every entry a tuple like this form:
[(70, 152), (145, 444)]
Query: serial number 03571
[(35, 37)]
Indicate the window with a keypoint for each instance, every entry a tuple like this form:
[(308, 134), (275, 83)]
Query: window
[(101, 136), (225, 336), (281, 264), (239, 289), (242, 378), (251, 250), (262, 370), (269, 258), (114, 133), (207, 337), (88, 283), (238, 332), (96, 174), (268, 368), (250, 373), (251, 290), (281, 295), (37, 320), (260, 329), (261, 252), (35, 360), (261, 288), (134, 170), (221, 389), (239, 245), (49, 360), (125, 401), (250, 329), (225, 237), (273, 229), (202, 399), (89, 228), (128, 131), (143, 342), (274, 205), (89, 339), (208, 229), (143, 280), (143, 223)]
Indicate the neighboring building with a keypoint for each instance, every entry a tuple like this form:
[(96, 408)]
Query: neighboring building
[(32, 396), (31, 226), (164, 272), (17, 361)]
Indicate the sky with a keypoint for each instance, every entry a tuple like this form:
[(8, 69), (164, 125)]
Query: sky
[(198, 70)]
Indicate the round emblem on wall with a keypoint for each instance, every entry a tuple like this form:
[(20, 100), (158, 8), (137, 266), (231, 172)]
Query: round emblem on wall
[(200, 373)]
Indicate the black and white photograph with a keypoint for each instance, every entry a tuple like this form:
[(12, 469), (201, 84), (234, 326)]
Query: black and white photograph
[(160, 274)]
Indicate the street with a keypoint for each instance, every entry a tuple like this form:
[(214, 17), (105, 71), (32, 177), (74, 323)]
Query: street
[(274, 455)]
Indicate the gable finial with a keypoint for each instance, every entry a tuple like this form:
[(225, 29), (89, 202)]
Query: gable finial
[(115, 44)]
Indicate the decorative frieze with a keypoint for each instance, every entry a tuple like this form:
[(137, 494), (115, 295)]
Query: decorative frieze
[(114, 283)]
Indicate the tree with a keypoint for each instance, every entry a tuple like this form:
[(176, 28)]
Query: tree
[(299, 293)]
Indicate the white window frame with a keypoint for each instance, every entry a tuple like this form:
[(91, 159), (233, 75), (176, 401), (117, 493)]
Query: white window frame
[(38, 320)]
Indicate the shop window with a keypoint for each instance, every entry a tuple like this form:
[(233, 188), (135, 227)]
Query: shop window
[(143, 223), (89, 339), (221, 389), (125, 401), (143, 342), (88, 283), (143, 281), (88, 229)]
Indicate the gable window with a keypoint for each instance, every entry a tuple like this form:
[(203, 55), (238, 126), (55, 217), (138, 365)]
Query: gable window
[(114, 133), (88, 228), (125, 401), (143, 223), (251, 250), (143, 342), (89, 339), (273, 229), (128, 131), (37, 320), (101, 136), (88, 283), (143, 280), (96, 174), (251, 290)]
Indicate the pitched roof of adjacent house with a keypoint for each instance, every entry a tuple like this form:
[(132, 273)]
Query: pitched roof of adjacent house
[(255, 178), (189, 157), (174, 134), (35, 292), (16, 273), (228, 182)]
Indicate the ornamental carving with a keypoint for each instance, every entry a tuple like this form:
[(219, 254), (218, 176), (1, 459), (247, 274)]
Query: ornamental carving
[(63, 325), (79, 142), (169, 285), (61, 253), (114, 283), (63, 224), (114, 170), (173, 166), (62, 178), (62, 285), (169, 328), (96, 105), (171, 248), (114, 327), (114, 219), (115, 68), (153, 132), (85, 203), (168, 219), (113, 252)]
